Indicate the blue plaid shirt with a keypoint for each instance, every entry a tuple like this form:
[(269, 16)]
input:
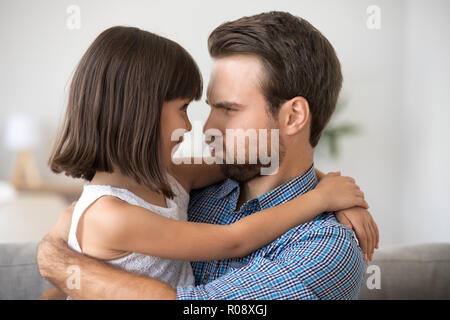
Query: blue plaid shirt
[(320, 259)]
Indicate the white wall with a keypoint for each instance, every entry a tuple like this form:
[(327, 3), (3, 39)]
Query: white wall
[(425, 123), (38, 54)]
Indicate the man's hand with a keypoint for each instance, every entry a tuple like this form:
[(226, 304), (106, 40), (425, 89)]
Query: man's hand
[(98, 280), (55, 239), (53, 293), (61, 229), (361, 221)]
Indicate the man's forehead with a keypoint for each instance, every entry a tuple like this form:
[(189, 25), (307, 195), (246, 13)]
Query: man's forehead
[(231, 83), (218, 92)]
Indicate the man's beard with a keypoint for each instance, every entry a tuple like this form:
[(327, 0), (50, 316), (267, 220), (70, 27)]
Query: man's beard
[(240, 172), (246, 172)]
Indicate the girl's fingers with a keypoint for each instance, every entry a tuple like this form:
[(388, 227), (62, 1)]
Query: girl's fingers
[(374, 237), (362, 238), (344, 220), (374, 240), (365, 204), (369, 241), (377, 232), (360, 202)]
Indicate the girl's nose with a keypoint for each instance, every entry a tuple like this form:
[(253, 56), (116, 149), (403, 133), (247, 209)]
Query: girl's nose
[(188, 125)]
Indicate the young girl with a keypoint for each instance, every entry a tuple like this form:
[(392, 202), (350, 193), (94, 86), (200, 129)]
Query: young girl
[(130, 91)]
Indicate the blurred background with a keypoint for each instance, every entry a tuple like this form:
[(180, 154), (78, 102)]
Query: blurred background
[(390, 132)]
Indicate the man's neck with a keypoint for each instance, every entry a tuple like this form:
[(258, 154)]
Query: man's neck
[(289, 168)]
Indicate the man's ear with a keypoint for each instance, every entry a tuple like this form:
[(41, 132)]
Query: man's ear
[(294, 115)]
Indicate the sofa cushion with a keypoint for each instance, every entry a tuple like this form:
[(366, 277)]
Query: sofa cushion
[(409, 272), (19, 275)]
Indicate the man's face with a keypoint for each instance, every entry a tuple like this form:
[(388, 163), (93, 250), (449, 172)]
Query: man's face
[(236, 100)]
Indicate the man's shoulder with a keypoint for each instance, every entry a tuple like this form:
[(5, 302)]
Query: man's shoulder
[(328, 255), (323, 231)]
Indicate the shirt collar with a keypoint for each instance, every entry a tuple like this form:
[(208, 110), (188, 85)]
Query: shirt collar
[(228, 186), (289, 190), (285, 192)]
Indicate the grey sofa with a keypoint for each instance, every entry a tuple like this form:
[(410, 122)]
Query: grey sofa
[(397, 272), (19, 275)]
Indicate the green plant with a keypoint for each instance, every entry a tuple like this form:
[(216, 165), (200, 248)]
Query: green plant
[(334, 132)]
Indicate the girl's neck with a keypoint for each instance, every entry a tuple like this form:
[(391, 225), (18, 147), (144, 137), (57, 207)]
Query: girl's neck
[(118, 180)]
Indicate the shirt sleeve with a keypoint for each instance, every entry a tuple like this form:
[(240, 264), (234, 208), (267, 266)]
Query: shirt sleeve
[(327, 263)]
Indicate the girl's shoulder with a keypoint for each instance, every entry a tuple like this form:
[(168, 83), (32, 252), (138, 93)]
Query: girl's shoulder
[(98, 226), (107, 210)]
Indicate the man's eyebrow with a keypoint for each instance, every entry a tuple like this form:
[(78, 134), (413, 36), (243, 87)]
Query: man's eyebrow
[(223, 104)]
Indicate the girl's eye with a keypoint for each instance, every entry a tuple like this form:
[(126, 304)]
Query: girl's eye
[(184, 108)]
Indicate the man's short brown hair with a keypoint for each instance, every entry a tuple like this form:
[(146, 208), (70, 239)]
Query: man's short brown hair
[(298, 61), (115, 102)]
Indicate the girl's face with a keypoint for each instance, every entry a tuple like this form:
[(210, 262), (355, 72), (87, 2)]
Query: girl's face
[(173, 118)]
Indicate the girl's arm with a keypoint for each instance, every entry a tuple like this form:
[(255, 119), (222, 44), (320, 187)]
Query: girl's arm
[(195, 173), (111, 224), (319, 174)]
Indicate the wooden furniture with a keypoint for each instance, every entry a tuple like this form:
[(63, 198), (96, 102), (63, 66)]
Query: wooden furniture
[(68, 191), (29, 215)]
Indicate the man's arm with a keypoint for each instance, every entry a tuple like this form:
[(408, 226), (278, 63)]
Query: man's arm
[(97, 280), (53, 293), (327, 263)]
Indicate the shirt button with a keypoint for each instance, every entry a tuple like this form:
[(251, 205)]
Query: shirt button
[(205, 277)]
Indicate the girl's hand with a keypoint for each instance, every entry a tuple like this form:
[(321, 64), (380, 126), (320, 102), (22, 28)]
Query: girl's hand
[(339, 193), (366, 230)]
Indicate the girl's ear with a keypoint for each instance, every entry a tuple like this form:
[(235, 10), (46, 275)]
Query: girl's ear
[(294, 115)]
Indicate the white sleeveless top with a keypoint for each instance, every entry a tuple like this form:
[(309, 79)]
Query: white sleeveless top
[(173, 272)]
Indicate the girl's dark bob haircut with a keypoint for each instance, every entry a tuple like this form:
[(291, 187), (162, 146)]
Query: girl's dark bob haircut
[(115, 102)]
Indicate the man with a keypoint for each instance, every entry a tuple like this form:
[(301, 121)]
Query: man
[(270, 71)]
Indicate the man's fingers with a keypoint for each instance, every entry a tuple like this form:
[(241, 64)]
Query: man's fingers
[(61, 228)]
